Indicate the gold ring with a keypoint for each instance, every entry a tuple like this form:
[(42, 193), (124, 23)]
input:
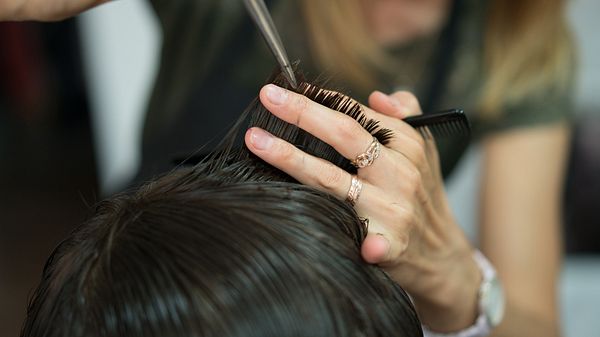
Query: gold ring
[(354, 191), (368, 157)]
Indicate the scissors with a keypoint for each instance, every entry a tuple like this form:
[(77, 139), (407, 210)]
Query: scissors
[(262, 18)]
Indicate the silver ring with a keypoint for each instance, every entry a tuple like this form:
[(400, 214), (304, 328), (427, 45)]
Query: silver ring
[(354, 191), (368, 157)]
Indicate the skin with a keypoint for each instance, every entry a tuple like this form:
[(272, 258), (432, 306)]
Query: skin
[(520, 211), (521, 206), (412, 233), (393, 22), (43, 10)]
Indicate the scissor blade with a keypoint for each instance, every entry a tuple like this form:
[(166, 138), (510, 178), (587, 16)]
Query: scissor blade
[(260, 13)]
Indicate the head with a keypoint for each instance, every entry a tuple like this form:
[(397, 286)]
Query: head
[(393, 22), (526, 45), (229, 247)]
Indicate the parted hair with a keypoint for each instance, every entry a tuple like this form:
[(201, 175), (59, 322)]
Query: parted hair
[(228, 247)]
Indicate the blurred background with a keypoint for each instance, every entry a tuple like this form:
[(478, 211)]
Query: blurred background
[(72, 99)]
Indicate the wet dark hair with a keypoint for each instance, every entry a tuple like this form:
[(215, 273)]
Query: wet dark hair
[(228, 247)]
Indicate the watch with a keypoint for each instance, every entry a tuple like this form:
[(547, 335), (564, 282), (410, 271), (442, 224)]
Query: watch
[(491, 294), (491, 303)]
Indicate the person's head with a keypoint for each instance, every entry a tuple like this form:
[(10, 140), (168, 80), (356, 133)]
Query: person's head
[(526, 46), (229, 247)]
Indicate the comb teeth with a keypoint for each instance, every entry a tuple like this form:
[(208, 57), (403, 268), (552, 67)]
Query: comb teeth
[(348, 106), (443, 124)]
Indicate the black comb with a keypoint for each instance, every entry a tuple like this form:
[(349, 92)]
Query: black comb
[(445, 123)]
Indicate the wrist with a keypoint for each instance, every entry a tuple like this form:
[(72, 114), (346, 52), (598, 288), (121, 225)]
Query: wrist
[(490, 304), (452, 304)]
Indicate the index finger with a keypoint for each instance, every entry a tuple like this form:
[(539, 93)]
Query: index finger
[(340, 131)]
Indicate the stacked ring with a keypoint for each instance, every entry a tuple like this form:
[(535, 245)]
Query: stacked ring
[(354, 191)]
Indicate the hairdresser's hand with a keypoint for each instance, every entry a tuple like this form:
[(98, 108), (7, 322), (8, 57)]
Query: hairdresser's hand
[(449, 279), (412, 233), (43, 10)]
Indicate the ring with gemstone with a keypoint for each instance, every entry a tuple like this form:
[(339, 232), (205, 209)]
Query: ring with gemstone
[(368, 157)]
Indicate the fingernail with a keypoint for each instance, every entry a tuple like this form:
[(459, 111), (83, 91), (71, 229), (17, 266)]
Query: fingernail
[(275, 94), (261, 139)]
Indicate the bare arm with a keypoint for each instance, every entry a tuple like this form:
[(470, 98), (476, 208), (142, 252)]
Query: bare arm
[(43, 10), (523, 175)]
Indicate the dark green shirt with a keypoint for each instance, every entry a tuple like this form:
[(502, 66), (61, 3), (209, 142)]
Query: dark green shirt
[(214, 63)]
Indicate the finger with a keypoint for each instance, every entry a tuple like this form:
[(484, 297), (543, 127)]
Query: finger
[(384, 104), (406, 140), (342, 132), (398, 105), (307, 169), (384, 245), (391, 109), (389, 228), (406, 102), (385, 121), (323, 175), (375, 248)]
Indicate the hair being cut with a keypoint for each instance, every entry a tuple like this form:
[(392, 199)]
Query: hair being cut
[(228, 247)]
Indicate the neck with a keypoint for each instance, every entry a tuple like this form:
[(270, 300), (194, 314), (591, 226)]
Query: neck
[(397, 22)]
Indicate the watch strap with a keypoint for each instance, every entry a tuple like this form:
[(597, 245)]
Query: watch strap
[(481, 328)]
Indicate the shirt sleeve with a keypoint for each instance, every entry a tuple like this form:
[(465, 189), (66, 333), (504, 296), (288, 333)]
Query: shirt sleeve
[(546, 106)]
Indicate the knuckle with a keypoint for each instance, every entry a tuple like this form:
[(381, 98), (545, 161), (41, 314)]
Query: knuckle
[(329, 178), (300, 105), (286, 151), (402, 239), (414, 180), (405, 218), (347, 128), (389, 210), (412, 102), (401, 215), (401, 95), (409, 100)]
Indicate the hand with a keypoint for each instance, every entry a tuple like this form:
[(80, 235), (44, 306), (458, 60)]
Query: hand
[(446, 244), (44, 10), (412, 233)]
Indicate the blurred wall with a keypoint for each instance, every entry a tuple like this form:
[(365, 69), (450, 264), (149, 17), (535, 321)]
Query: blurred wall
[(47, 168), (120, 43), (583, 15)]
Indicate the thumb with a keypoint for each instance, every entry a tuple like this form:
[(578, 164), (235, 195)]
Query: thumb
[(378, 248)]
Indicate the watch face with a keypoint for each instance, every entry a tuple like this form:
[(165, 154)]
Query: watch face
[(492, 301)]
